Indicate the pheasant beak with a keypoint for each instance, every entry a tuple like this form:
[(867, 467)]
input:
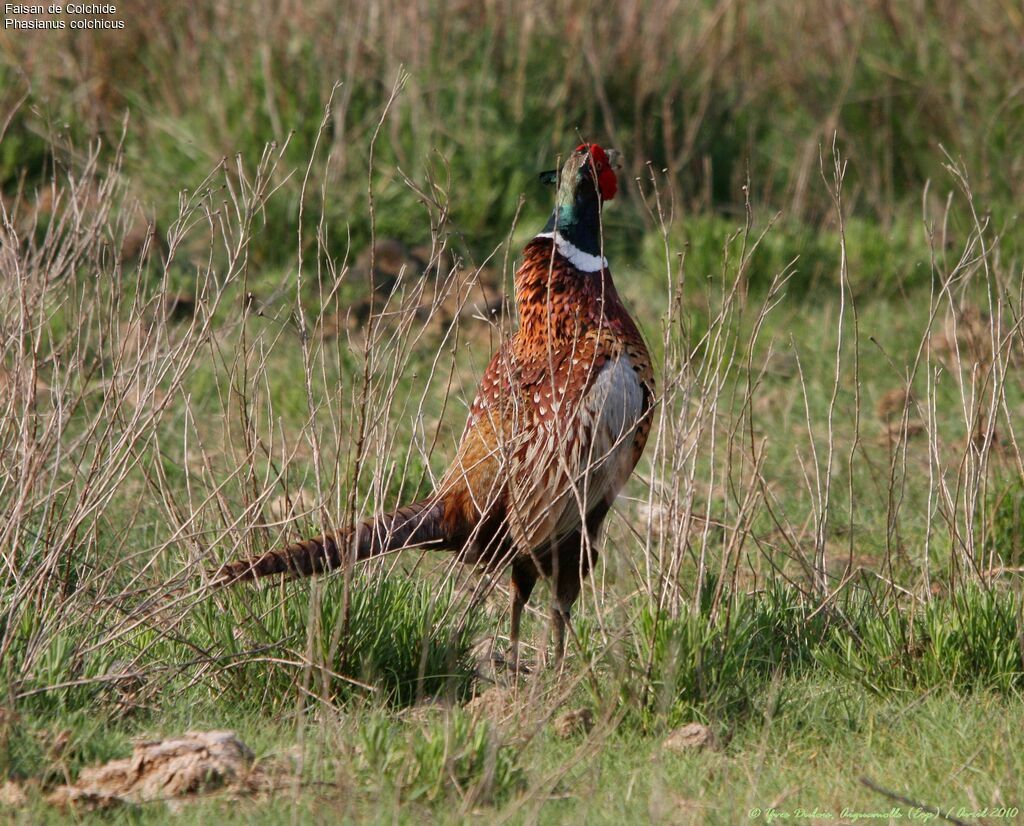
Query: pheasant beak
[(614, 158)]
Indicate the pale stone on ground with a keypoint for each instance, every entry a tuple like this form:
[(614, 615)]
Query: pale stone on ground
[(688, 738)]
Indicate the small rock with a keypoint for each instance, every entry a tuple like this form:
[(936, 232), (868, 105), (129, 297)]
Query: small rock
[(689, 738), (569, 723)]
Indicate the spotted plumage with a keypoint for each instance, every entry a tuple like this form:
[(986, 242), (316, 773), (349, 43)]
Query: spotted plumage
[(560, 420)]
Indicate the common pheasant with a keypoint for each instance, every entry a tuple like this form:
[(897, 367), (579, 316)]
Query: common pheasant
[(558, 424)]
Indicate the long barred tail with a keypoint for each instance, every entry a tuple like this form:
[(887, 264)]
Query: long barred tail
[(421, 523)]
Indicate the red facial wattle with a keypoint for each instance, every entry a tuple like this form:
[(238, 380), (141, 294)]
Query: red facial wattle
[(607, 182)]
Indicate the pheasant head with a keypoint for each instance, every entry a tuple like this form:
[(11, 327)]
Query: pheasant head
[(587, 179)]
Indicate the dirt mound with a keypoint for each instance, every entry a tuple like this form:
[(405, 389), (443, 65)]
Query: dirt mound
[(196, 762)]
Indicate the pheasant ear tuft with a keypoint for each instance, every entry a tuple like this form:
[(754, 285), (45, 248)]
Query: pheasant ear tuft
[(549, 178)]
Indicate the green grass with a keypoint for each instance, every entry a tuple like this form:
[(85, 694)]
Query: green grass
[(945, 749), (809, 755), (405, 640)]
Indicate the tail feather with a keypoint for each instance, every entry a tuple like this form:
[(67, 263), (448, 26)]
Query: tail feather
[(421, 523)]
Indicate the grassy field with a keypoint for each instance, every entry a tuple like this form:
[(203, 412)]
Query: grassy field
[(253, 260)]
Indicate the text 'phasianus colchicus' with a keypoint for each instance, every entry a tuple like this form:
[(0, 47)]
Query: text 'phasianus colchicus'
[(558, 424)]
